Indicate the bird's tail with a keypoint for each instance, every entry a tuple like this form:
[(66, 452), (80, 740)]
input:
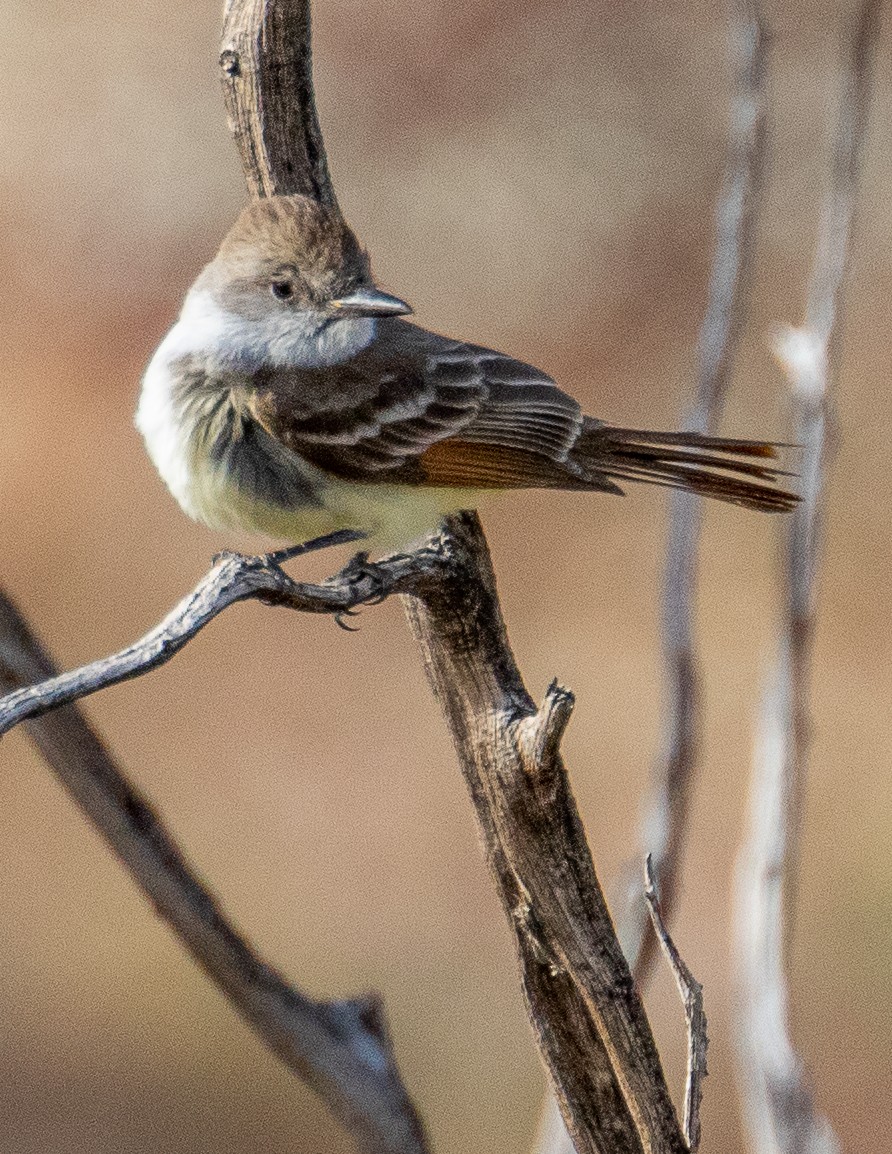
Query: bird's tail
[(729, 470)]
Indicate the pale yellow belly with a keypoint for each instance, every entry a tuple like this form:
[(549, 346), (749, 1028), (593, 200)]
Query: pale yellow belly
[(393, 516)]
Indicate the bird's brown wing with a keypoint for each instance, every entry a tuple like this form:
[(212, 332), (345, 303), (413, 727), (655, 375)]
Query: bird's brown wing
[(421, 409)]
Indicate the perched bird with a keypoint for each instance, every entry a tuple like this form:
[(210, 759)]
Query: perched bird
[(291, 398)]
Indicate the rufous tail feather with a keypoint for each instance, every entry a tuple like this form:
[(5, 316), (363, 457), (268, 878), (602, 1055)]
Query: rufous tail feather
[(729, 470)]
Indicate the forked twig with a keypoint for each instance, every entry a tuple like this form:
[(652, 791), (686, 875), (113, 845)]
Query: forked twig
[(692, 996)]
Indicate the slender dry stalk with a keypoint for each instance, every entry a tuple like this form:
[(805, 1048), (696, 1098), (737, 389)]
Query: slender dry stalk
[(664, 826), (692, 998), (778, 1103)]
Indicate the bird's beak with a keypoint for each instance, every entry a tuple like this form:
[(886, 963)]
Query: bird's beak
[(372, 302)]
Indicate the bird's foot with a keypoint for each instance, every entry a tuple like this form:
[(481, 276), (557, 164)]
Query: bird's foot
[(360, 569)]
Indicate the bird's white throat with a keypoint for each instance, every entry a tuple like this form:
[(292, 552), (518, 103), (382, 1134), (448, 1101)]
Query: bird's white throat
[(223, 343), (283, 336)]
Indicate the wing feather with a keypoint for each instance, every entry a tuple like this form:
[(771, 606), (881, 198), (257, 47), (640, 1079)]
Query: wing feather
[(419, 408)]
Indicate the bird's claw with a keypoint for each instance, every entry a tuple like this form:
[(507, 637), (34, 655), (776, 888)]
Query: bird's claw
[(339, 617), (358, 569)]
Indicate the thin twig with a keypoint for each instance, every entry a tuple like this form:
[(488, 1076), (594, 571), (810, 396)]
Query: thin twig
[(665, 823), (340, 1048), (778, 1102), (692, 996), (233, 578)]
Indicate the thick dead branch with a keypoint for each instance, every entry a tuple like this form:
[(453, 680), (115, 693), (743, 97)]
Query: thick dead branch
[(778, 1102), (692, 996), (267, 73), (591, 1026), (583, 1004), (666, 812), (341, 1049)]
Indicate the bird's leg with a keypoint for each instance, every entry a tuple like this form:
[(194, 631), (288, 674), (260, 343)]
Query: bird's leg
[(340, 537)]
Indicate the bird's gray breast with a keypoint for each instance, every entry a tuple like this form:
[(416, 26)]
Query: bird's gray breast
[(231, 447)]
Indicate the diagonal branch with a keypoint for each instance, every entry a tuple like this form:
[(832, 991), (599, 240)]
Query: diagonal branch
[(778, 1102), (233, 578), (585, 1010), (583, 1004), (341, 1049)]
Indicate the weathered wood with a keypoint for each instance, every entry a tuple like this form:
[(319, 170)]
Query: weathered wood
[(589, 1021), (267, 73)]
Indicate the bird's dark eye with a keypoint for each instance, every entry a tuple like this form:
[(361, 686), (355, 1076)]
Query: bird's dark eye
[(282, 290)]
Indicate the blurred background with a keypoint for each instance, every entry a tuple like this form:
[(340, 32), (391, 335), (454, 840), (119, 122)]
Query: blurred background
[(539, 177)]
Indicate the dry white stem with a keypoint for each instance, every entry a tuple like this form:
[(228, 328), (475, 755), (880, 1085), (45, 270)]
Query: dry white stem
[(779, 1106), (692, 997), (777, 1100), (665, 819)]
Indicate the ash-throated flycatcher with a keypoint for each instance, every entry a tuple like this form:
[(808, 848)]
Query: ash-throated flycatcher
[(291, 398)]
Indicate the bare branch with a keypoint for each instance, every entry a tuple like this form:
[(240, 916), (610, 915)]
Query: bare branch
[(665, 820), (342, 1048), (585, 1010), (666, 812), (233, 578), (692, 996), (267, 72), (779, 1105), (591, 1027), (583, 1004)]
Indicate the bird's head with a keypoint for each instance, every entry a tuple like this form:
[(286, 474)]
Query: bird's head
[(295, 282)]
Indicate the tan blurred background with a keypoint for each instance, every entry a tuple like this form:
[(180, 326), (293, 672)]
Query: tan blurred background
[(540, 177)]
